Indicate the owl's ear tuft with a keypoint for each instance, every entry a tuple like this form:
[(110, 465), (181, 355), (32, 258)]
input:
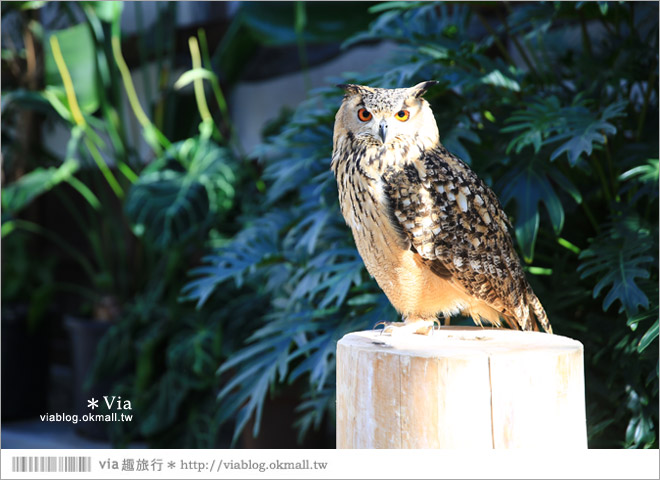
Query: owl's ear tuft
[(352, 89), (421, 88)]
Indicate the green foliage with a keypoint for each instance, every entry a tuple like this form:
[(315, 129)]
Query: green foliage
[(283, 24), (568, 125), (78, 51), (78, 96), (31, 286), (172, 351), (545, 122), (618, 256), (40, 180), (144, 222), (166, 355), (180, 194), (530, 185)]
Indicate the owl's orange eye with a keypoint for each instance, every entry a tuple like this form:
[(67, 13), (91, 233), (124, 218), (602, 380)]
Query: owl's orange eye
[(364, 114), (402, 115)]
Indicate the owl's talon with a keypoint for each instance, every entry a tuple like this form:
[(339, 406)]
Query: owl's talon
[(436, 322), (388, 327), (379, 324), (421, 327)]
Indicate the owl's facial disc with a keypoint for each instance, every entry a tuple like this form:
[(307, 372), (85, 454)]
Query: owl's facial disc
[(384, 126), (379, 117)]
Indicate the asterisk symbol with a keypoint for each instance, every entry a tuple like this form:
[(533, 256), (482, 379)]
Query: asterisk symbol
[(93, 403), (170, 464)]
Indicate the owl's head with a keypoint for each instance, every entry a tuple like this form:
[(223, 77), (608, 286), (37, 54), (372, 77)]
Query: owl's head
[(385, 116)]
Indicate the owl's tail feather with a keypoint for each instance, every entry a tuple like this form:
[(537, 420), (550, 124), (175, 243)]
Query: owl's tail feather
[(538, 310), (529, 315)]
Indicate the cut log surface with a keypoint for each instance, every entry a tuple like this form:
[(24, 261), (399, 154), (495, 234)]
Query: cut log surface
[(460, 387)]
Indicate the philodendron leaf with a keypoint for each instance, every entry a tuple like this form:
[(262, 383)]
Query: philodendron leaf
[(618, 257), (31, 185), (583, 142), (585, 130), (529, 186), (545, 121), (175, 198)]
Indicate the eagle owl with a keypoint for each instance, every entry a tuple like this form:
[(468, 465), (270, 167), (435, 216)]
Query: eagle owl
[(430, 232)]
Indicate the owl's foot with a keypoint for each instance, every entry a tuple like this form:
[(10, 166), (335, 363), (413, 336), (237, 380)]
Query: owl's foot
[(408, 327)]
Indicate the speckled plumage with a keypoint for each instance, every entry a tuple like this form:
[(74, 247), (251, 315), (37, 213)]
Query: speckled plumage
[(430, 232)]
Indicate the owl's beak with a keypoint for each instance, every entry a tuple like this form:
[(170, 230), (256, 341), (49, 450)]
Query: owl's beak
[(382, 130)]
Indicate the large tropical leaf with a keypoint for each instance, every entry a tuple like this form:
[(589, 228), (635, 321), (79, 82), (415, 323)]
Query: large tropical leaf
[(252, 246), (177, 196), (22, 192), (618, 257), (584, 132), (32, 184), (545, 121), (77, 47), (529, 186)]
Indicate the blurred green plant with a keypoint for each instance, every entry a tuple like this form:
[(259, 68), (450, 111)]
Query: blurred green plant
[(554, 122), (70, 60), (29, 286), (145, 220), (281, 25)]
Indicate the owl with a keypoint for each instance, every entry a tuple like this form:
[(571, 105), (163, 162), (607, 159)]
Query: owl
[(430, 232)]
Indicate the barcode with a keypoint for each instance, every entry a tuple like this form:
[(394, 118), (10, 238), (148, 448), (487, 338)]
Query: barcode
[(51, 464)]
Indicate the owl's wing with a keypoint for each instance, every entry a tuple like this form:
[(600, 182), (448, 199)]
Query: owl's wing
[(458, 227)]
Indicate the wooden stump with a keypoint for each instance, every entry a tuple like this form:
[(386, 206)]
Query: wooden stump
[(461, 387)]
